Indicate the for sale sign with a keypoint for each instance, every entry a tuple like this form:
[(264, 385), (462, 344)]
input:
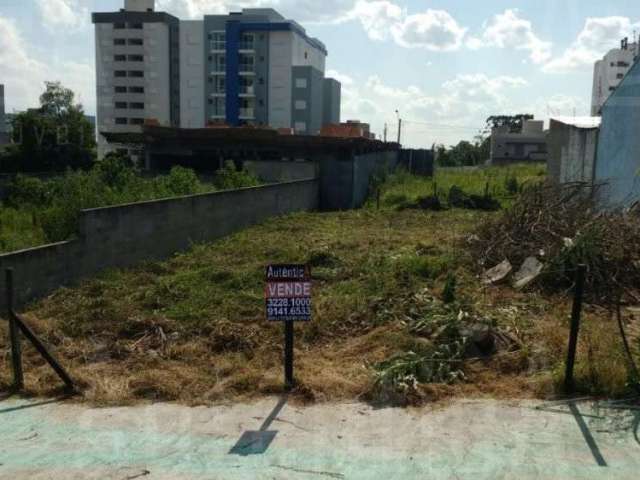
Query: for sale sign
[(288, 293)]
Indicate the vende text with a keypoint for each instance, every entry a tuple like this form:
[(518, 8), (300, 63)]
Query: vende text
[(288, 289)]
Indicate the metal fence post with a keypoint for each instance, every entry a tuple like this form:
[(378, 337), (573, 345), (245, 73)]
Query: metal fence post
[(14, 334), (575, 328)]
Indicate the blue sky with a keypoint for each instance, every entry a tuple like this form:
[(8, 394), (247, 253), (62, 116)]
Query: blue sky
[(445, 65)]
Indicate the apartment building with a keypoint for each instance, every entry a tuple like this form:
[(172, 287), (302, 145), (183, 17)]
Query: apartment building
[(609, 72), (251, 67)]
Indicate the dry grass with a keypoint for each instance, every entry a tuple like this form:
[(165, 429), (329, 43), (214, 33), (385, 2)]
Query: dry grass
[(192, 329)]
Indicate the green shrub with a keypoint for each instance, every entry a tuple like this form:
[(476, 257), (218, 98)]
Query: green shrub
[(181, 181), (229, 178), (24, 190), (393, 199)]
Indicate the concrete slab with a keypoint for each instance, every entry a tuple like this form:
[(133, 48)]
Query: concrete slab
[(273, 439)]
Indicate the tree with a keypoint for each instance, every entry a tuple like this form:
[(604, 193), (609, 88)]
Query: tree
[(55, 136), (514, 122)]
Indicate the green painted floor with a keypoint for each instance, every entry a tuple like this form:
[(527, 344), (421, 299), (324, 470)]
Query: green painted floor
[(272, 439)]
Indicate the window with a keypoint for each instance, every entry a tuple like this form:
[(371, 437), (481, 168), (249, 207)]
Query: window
[(119, 26), (119, 41), (246, 63), (247, 41), (220, 85), (136, 73), (611, 89), (121, 89), (622, 64), (136, 26), (300, 126), (136, 105), (301, 83), (246, 86), (119, 58), (620, 76), (121, 121), (121, 104), (136, 89), (119, 73), (210, 101), (218, 41), (261, 81), (219, 63), (301, 104), (136, 58), (136, 121), (136, 41)]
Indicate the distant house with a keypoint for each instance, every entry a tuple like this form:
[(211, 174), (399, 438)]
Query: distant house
[(529, 145), (572, 144), (618, 157)]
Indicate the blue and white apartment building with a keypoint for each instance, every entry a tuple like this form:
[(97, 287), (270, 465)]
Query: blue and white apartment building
[(250, 67)]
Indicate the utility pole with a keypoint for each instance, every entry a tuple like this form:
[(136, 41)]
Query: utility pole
[(385, 132)]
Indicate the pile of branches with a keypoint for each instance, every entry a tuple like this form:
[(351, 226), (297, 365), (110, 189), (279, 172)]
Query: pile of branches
[(561, 226)]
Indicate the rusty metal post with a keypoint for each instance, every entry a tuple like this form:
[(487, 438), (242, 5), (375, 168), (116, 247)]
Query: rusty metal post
[(575, 328)]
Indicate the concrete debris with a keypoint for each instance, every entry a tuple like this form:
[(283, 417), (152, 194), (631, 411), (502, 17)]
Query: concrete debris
[(529, 271), (497, 274), (568, 242), (479, 338), (473, 239)]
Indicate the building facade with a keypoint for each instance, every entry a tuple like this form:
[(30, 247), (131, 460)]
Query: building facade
[(609, 72), (252, 67), (529, 145), (618, 152), (572, 145)]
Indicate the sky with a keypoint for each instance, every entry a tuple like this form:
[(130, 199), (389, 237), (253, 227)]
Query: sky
[(444, 65)]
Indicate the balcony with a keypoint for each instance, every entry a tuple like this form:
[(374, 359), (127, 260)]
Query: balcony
[(247, 91), (247, 113), (246, 47)]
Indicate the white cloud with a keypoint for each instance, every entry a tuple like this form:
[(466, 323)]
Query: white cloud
[(434, 30), (509, 30), (308, 11), (597, 37), (345, 80), (24, 75), (457, 111), (377, 17), (64, 15)]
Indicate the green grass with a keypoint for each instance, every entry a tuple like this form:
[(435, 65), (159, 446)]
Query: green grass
[(403, 187), (37, 212), (192, 328)]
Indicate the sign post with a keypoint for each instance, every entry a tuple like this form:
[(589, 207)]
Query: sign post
[(288, 299)]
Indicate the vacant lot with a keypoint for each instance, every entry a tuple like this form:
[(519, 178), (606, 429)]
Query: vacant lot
[(389, 285)]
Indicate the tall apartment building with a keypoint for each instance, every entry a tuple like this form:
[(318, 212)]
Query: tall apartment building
[(249, 67), (609, 72)]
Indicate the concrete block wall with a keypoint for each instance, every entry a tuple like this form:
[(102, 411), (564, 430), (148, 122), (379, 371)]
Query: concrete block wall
[(125, 235), (282, 171), (345, 182)]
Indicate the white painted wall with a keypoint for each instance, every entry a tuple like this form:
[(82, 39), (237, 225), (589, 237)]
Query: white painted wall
[(314, 58), (280, 63), (192, 88), (139, 5), (157, 73), (606, 75), (156, 79)]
